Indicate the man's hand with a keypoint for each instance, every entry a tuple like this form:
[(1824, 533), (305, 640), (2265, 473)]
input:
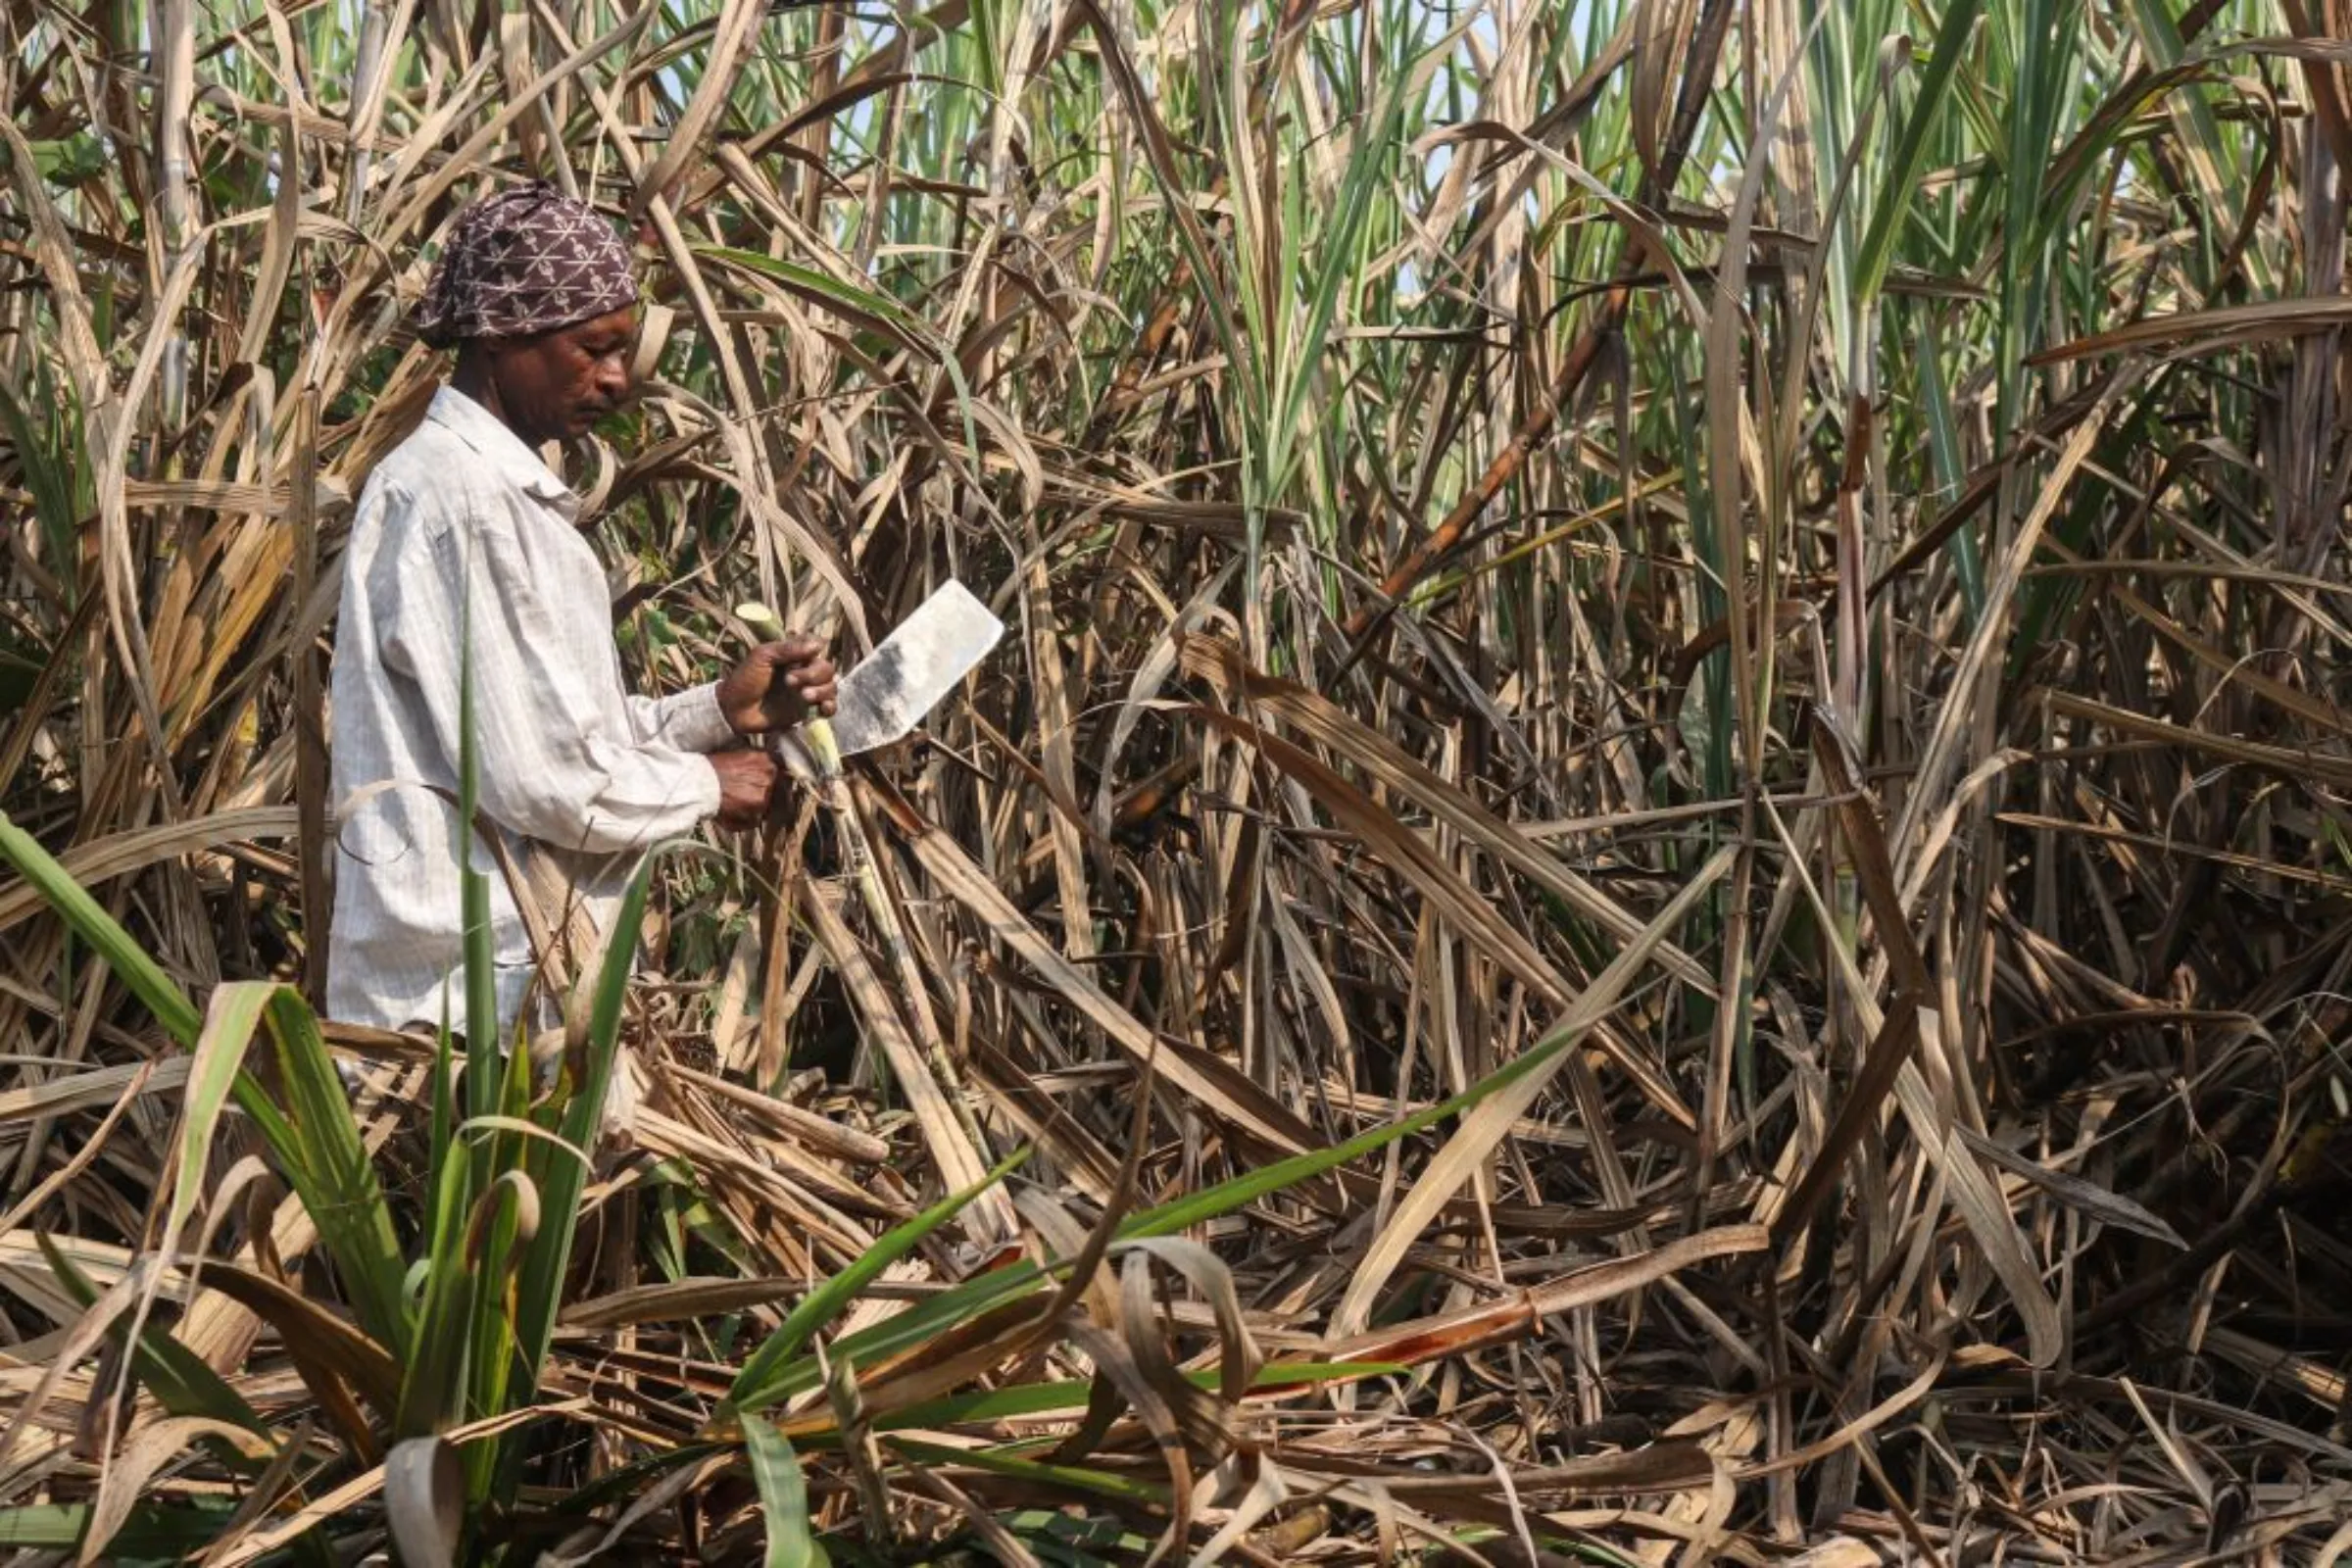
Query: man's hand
[(744, 779), (778, 686)]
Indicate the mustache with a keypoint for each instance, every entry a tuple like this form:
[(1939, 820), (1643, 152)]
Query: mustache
[(598, 407)]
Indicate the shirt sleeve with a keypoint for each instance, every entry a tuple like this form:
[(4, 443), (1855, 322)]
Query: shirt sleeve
[(550, 761), (688, 721)]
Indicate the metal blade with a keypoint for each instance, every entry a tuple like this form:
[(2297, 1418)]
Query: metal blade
[(919, 662)]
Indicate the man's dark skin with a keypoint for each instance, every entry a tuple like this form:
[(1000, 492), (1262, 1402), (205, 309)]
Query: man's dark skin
[(555, 387)]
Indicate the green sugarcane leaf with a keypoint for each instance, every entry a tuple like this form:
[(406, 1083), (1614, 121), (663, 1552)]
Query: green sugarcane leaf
[(329, 1167), (45, 451), (922, 1321), (230, 1023), (539, 1284), (1001, 1461), (180, 1380), (783, 1496), (158, 1533), (156, 991), (1899, 188), (752, 1388)]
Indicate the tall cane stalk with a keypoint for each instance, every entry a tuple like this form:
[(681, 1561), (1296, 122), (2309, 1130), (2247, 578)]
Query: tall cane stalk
[(992, 1217)]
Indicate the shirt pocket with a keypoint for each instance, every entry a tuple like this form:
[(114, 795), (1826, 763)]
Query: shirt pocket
[(381, 832)]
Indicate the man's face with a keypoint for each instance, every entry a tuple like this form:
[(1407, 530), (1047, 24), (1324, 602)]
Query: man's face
[(555, 386)]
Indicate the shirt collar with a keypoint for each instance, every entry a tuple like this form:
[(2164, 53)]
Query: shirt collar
[(501, 447)]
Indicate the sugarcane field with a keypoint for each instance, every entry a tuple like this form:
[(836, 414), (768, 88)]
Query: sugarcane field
[(1114, 783)]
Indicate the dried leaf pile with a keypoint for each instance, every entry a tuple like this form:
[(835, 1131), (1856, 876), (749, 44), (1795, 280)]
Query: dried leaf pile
[(1657, 873)]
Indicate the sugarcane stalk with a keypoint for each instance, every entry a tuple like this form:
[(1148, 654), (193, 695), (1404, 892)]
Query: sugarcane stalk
[(173, 35), (817, 736)]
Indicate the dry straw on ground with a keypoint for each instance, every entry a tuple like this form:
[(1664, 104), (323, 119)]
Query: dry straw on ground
[(1798, 544)]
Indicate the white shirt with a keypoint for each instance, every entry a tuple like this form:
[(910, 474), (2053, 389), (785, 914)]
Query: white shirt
[(566, 759)]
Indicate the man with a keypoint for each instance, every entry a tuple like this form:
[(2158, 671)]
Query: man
[(466, 565)]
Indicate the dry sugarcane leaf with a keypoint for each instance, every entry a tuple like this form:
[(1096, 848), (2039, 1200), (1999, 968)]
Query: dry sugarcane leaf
[(118, 854), (1476, 918), (2324, 767), (1979, 1201), (820, 1134), (675, 1299), (1381, 757), (424, 1500), (1197, 1075), (128, 1475), (88, 1090), (961, 1167), (319, 1335), (2089, 1198), (1522, 1314), (1489, 1120)]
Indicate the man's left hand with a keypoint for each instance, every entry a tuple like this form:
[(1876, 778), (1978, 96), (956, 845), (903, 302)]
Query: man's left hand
[(779, 685)]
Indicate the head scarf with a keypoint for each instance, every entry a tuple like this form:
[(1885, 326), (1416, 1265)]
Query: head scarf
[(523, 262)]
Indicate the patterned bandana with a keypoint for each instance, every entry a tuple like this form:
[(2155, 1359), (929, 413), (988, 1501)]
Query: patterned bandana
[(524, 261)]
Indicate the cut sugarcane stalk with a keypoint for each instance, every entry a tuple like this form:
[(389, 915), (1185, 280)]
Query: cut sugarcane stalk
[(931, 1077)]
